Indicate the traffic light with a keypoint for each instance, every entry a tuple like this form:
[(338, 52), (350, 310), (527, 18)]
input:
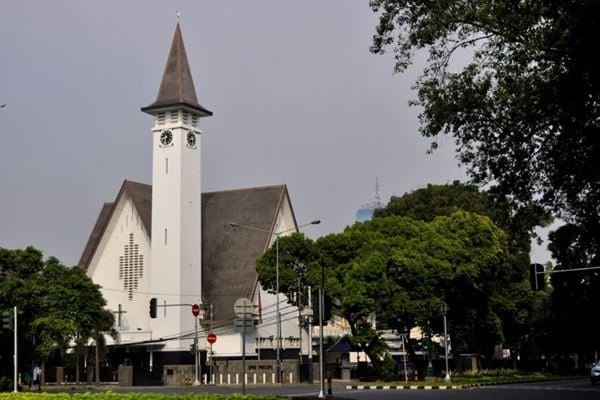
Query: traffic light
[(153, 307), (326, 310), (537, 276), (7, 320)]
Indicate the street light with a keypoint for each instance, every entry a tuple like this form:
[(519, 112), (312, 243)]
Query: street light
[(444, 310), (278, 323)]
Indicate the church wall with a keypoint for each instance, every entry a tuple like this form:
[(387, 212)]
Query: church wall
[(121, 266), (176, 228)]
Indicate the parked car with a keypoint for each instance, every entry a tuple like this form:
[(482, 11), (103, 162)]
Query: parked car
[(595, 372)]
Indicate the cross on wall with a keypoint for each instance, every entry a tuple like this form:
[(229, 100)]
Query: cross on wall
[(119, 313)]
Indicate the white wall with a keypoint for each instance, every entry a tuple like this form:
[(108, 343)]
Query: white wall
[(104, 270)]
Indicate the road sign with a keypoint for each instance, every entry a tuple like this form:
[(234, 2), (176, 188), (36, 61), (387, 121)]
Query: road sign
[(211, 338), (195, 309), (243, 306), (249, 323)]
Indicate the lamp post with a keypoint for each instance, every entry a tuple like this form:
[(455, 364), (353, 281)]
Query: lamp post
[(278, 316), (321, 311), (444, 310)]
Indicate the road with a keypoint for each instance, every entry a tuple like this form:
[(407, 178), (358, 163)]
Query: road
[(576, 389)]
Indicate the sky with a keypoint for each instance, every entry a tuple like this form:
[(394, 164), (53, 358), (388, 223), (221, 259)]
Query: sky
[(297, 99)]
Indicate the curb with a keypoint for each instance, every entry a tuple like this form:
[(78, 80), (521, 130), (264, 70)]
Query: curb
[(465, 386), (361, 387)]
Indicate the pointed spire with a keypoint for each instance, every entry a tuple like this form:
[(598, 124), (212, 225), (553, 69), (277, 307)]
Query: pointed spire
[(177, 86), (375, 201)]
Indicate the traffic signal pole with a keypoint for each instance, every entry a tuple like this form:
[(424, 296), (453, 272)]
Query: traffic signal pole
[(15, 353)]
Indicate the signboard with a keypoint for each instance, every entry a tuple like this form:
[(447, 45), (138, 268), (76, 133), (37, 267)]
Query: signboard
[(243, 306), (211, 338), (195, 309)]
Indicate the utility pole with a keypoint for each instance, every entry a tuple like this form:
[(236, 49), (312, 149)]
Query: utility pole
[(310, 346), (15, 353)]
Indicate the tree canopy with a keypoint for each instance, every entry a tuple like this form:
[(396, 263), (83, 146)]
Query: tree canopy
[(57, 305), (516, 84), (442, 200), (401, 270)]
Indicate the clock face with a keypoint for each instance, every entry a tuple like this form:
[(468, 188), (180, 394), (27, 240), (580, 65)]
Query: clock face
[(166, 137), (191, 139)]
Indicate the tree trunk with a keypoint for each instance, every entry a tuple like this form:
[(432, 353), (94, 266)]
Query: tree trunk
[(97, 362), (76, 364)]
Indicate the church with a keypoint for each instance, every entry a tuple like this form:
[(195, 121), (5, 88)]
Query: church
[(170, 244)]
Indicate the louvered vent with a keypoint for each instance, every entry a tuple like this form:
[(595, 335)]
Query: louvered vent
[(131, 267)]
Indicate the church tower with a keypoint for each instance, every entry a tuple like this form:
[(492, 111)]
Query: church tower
[(175, 274)]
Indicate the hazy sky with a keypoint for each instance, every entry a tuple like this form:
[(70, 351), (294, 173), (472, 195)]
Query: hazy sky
[(296, 95)]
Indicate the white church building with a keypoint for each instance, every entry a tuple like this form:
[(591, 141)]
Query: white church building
[(171, 242)]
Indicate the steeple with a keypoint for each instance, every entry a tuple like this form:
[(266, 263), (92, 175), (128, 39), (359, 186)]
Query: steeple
[(177, 87), (375, 201)]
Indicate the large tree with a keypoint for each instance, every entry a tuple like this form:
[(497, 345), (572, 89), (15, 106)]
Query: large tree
[(516, 84), (400, 269), (442, 200), (575, 293), (58, 306)]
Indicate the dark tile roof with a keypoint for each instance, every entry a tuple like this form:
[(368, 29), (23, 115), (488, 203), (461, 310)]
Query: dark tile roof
[(99, 227), (177, 85), (228, 254)]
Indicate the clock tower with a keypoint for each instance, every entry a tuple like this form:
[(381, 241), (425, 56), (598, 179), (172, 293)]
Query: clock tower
[(175, 272)]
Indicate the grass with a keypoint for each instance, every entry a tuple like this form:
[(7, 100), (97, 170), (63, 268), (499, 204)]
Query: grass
[(482, 377), (132, 396)]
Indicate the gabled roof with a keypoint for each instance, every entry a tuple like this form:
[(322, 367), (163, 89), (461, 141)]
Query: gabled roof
[(141, 196), (177, 85), (228, 254)]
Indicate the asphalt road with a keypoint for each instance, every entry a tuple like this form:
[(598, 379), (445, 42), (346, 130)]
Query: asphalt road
[(576, 389)]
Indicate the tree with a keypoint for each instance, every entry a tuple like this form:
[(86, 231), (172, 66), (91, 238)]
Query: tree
[(521, 102), (400, 269), (57, 305), (103, 325), (442, 200), (575, 293)]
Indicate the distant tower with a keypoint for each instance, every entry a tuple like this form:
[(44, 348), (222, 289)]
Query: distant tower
[(365, 213), (175, 275)]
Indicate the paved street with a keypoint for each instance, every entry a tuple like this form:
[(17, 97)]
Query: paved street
[(578, 390)]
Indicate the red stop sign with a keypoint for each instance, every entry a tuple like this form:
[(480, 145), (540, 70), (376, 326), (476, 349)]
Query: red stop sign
[(211, 338), (195, 309)]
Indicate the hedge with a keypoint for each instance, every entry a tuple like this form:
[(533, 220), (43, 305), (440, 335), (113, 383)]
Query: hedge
[(133, 396)]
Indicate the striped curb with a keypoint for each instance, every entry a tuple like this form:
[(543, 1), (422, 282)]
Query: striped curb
[(465, 386), (362, 387)]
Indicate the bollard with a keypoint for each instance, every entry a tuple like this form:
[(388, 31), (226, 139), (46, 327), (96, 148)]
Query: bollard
[(291, 377), (264, 379), (329, 391), (254, 378)]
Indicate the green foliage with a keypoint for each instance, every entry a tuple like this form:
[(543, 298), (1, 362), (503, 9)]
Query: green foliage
[(515, 86), (6, 384), (574, 294), (401, 270), (56, 304), (133, 396), (511, 299)]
